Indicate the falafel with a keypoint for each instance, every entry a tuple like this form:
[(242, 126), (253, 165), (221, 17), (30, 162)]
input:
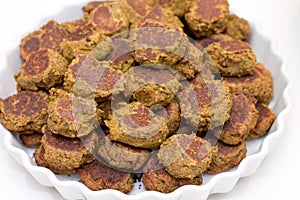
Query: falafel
[(243, 119), (265, 120), (108, 18), (233, 57), (43, 69), (24, 111), (31, 140), (156, 178), (136, 125), (259, 85), (237, 27), (84, 40), (226, 157), (214, 38), (71, 116), (207, 17), (121, 156), (97, 176), (185, 156), (50, 36), (89, 78), (64, 155)]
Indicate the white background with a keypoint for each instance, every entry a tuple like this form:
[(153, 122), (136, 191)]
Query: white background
[(279, 175)]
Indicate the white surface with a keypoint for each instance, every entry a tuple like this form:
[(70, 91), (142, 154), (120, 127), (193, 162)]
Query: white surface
[(266, 184)]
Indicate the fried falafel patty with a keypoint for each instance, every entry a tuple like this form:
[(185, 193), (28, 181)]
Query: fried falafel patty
[(156, 178), (97, 176), (185, 156), (64, 155), (24, 111)]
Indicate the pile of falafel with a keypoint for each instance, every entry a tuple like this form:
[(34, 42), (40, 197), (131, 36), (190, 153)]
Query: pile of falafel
[(95, 96)]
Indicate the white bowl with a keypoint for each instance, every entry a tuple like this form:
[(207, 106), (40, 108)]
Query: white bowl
[(258, 149)]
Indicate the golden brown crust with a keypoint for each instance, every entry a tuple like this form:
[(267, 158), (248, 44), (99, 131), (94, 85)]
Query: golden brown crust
[(73, 26), (122, 156), (237, 28), (226, 157), (185, 156), (53, 36), (267, 93), (88, 8), (178, 7), (109, 18), (31, 43), (97, 79), (83, 40), (153, 94), (71, 116), (158, 45), (50, 36), (259, 85), (60, 142), (31, 140), (207, 17), (191, 62), (24, 111), (136, 125), (106, 113), (64, 155), (39, 156), (98, 176), (243, 119), (43, 69), (172, 115), (213, 100), (121, 54), (233, 57), (149, 84), (156, 178), (135, 10), (159, 17), (265, 120), (214, 38)]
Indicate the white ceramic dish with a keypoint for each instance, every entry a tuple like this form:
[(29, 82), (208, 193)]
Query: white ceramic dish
[(70, 188)]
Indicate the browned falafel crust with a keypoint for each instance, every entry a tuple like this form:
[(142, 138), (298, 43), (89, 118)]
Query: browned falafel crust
[(237, 27), (136, 125), (71, 116), (172, 115), (259, 85), (242, 120), (43, 69), (207, 17), (108, 18), (31, 140), (50, 36), (64, 155), (226, 157), (97, 176), (265, 120), (89, 78), (24, 111), (121, 156), (156, 178), (214, 38), (213, 100), (185, 156), (233, 57)]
